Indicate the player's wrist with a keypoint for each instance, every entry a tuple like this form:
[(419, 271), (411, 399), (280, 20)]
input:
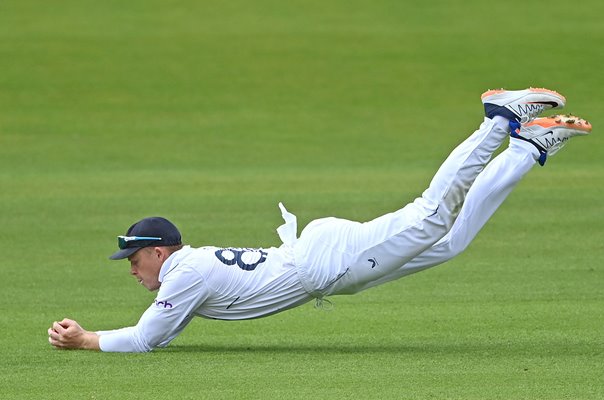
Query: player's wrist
[(90, 341)]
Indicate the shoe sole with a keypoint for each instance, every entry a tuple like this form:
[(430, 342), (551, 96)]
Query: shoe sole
[(564, 121)]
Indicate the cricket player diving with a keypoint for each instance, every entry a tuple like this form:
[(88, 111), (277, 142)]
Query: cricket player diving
[(334, 256)]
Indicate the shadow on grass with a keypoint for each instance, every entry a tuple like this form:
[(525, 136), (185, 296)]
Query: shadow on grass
[(475, 348), (295, 349)]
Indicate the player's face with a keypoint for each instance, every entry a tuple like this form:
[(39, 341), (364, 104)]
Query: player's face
[(145, 265)]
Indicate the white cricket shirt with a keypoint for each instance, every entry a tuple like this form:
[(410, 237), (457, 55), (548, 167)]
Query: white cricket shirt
[(216, 283)]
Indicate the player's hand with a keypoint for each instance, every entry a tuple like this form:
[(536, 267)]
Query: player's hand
[(68, 334)]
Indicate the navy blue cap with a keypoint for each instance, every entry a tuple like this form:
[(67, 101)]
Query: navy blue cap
[(148, 232)]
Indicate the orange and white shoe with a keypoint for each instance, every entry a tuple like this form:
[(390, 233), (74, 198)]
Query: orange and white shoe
[(550, 134), (520, 105)]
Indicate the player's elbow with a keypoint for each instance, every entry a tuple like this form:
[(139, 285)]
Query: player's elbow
[(142, 344)]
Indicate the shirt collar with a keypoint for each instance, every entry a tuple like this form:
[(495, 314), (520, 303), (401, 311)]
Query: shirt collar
[(173, 261)]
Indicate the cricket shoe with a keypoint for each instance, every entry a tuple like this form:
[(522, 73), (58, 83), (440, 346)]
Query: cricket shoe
[(520, 105), (550, 134)]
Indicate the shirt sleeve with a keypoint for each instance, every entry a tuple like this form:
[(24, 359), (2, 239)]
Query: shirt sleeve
[(181, 293)]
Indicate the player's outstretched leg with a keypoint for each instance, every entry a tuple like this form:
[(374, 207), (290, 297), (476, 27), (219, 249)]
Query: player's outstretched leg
[(542, 136), (504, 109), (354, 254)]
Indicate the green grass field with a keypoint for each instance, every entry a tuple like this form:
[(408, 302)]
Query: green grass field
[(210, 112)]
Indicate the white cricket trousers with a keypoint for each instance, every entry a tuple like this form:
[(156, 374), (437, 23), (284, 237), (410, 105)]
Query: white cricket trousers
[(338, 256)]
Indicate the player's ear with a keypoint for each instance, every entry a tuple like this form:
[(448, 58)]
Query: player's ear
[(160, 253), (157, 252)]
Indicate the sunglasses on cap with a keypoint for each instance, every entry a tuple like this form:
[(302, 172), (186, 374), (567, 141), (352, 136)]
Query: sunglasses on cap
[(125, 242)]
